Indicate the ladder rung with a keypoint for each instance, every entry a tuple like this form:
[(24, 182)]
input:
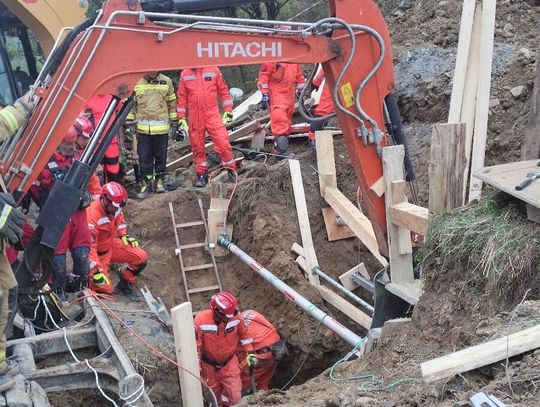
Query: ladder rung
[(192, 246), (201, 267), (189, 224), (202, 289)]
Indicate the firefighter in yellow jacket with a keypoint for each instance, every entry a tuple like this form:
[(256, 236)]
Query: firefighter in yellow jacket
[(154, 117), (11, 221)]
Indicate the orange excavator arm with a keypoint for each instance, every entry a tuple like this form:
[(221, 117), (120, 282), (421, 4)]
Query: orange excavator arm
[(125, 42)]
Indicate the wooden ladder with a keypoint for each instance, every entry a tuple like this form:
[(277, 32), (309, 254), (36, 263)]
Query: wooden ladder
[(181, 247)]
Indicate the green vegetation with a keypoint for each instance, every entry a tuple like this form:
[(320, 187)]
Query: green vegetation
[(491, 243)]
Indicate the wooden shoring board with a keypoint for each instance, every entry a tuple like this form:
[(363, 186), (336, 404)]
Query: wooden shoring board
[(346, 307), (468, 110), (506, 176), (243, 107), (481, 355), (186, 355), (347, 283), (410, 216), (530, 148), (409, 291), (334, 231), (447, 164), (483, 95), (234, 135), (217, 214), (326, 165), (356, 220), (401, 267), (303, 220), (462, 58)]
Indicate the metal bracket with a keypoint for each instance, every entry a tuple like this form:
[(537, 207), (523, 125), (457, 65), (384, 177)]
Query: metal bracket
[(157, 307)]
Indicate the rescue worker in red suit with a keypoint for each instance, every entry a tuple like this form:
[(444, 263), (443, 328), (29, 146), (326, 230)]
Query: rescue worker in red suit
[(110, 243), (219, 331), (278, 83), (76, 237), (264, 336), (95, 107), (198, 90), (325, 106)]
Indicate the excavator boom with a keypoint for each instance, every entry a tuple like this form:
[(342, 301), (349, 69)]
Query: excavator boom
[(125, 42)]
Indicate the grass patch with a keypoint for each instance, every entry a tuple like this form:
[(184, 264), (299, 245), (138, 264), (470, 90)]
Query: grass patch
[(490, 243)]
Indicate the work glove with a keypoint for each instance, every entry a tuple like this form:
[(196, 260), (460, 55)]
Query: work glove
[(265, 101), (174, 130), (129, 240), (183, 124), (11, 219), (130, 130), (227, 119), (251, 359)]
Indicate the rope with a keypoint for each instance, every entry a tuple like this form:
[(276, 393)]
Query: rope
[(371, 382)]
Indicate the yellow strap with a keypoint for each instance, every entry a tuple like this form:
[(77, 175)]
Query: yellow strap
[(10, 119), (171, 97), (151, 87)]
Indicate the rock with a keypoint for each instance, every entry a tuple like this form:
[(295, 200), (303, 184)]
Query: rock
[(524, 53), (517, 91), (406, 4), (365, 402), (494, 102)]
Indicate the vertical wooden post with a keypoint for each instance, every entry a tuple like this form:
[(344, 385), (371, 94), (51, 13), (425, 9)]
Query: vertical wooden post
[(531, 143), (401, 268), (326, 164), (482, 99), (461, 71), (186, 354), (303, 220), (447, 167)]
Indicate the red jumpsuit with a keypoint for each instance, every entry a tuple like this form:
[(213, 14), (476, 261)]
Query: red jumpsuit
[(197, 96), (326, 103), (216, 348), (278, 80), (96, 107), (107, 247), (264, 335)]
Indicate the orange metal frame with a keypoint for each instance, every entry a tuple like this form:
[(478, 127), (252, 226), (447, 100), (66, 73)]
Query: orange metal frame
[(132, 47)]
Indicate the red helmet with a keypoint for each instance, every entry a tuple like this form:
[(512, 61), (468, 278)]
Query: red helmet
[(71, 135), (84, 126), (224, 303), (114, 193)]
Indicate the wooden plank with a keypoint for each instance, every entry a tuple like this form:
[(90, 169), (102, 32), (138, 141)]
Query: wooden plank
[(482, 99), (199, 267), (303, 220), (186, 355), (404, 244), (530, 148), (409, 291), (243, 107), (333, 230), (217, 219), (533, 213), (346, 307), (378, 187), (326, 165), (192, 246), (203, 289), (189, 224), (410, 216), (446, 169), (401, 268), (347, 283), (356, 220), (462, 58), (301, 261), (296, 248), (234, 135), (481, 355), (468, 110), (506, 176)]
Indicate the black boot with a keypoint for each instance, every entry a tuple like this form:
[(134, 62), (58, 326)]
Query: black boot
[(201, 181), (281, 145), (124, 287)]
